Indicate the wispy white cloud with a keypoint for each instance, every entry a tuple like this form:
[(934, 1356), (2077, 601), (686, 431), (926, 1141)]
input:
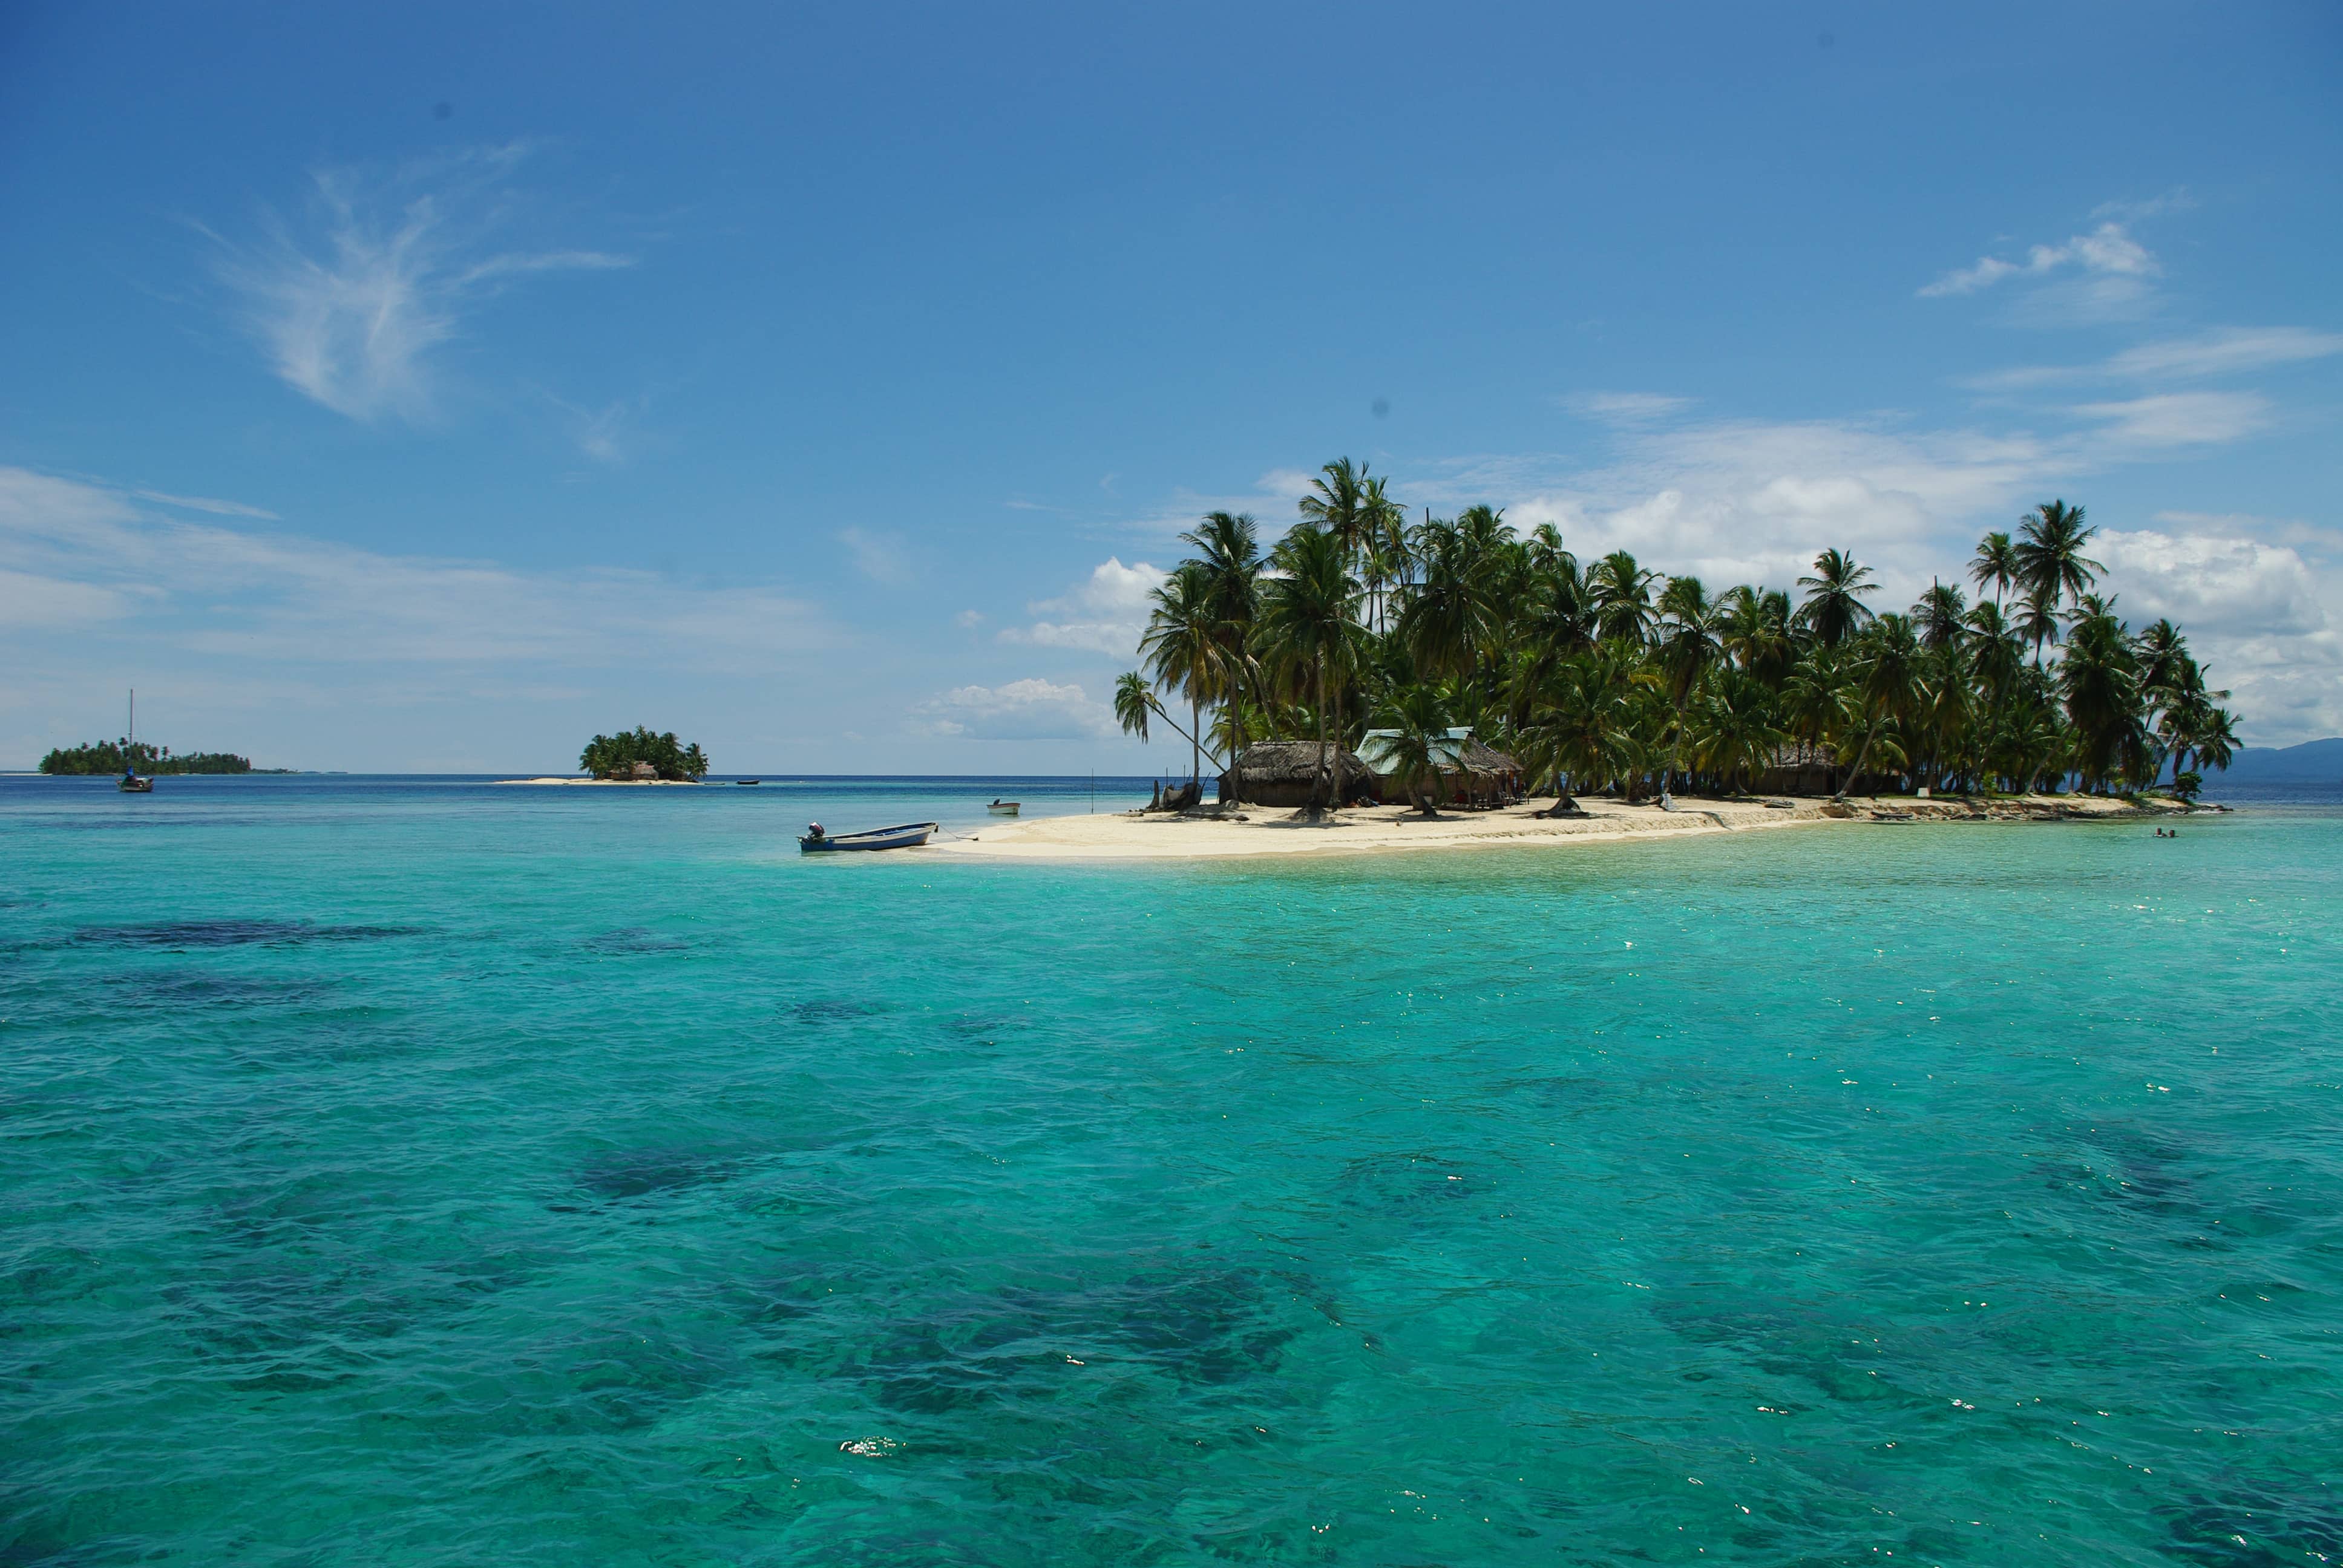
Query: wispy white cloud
[(2180, 418), (94, 555), (2228, 350), (1106, 614), (2107, 251), (1625, 408), (350, 299), (883, 558), (1030, 710), (610, 434), (206, 504), (2224, 351), (2178, 199)]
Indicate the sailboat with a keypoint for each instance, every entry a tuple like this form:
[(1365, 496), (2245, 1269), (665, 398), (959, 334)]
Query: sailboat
[(132, 784)]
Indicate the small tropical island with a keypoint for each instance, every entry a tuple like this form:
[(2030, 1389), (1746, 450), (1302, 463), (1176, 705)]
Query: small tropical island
[(640, 756), (1407, 671), (122, 756)]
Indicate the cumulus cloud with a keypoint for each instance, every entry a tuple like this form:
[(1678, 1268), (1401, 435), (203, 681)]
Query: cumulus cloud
[(2221, 584), (1107, 614), (1752, 501), (2107, 251), (349, 299), (93, 556), (2263, 620), (1032, 710)]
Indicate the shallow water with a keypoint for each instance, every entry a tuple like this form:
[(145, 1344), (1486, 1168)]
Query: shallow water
[(407, 1172)]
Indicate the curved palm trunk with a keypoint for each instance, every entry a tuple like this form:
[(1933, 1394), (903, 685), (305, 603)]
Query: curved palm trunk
[(1675, 750), (1861, 757), (1195, 745), (1321, 673)]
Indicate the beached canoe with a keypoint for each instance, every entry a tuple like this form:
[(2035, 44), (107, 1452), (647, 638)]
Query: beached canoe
[(904, 836)]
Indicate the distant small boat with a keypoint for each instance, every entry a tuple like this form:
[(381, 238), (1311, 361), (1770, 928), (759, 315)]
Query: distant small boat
[(904, 836), (747, 782), (1003, 808), (132, 784)]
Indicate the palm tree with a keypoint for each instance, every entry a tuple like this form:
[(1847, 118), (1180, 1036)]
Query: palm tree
[(1309, 619), (1938, 615), (1754, 626), (1996, 654), (1385, 550), (1621, 594), (1228, 547), (1995, 565), (1687, 647), (2165, 666), (1738, 728), (1887, 681), (1818, 702), (1135, 704), (2099, 682), (1132, 704), (1450, 615), (2038, 622), (1338, 505), (2051, 561), (1835, 611), (1583, 727), (2217, 741), (1180, 649), (1418, 748)]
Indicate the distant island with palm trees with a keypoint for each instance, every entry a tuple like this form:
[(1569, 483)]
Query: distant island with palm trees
[(135, 756), (640, 756), (1612, 677)]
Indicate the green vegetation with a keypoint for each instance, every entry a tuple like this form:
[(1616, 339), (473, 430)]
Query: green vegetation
[(123, 756), (1608, 675), (615, 756)]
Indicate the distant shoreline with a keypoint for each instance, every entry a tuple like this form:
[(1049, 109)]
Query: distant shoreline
[(1272, 831), (608, 783)]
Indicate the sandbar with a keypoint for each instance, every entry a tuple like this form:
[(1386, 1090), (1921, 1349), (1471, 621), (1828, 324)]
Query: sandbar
[(1272, 831)]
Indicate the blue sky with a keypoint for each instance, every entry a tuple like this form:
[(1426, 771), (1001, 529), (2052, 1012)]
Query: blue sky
[(429, 388)]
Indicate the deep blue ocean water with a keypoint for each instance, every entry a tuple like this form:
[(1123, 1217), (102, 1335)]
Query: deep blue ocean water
[(423, 1171)]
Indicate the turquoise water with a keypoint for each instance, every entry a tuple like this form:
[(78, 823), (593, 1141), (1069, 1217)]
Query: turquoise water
[(414, 1172)]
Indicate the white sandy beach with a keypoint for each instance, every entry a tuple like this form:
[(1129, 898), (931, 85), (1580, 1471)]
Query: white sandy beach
[(1132, 836)]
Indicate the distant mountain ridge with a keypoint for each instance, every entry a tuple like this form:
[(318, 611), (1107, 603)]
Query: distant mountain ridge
[(2312, 763)]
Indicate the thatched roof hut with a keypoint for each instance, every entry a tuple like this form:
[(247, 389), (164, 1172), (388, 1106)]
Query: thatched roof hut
[(1291, 773), (1489, 761), (1470, 770)]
